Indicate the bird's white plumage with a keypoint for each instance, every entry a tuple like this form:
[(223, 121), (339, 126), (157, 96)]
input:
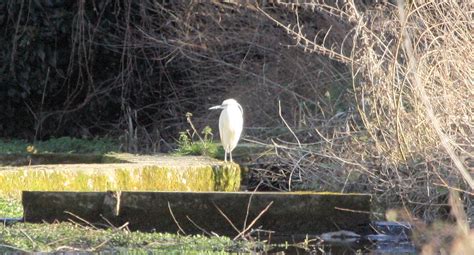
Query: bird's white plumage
[(231, 123)]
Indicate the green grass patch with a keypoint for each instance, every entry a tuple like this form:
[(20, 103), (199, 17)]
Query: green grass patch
[(60, 145), (10, 208), (189, 145), (62, 237)]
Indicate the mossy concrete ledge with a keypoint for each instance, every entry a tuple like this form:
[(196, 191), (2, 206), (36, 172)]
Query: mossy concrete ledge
[(143, 173), (293, 213)]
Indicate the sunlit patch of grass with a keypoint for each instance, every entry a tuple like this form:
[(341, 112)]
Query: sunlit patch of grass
[(10, 208), (187, 145), (63, 237), (59, 145)]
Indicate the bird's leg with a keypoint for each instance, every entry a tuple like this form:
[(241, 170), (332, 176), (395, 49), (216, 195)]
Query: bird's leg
[(230, 153), (225, 155)]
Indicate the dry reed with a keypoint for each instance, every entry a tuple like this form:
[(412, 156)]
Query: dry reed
[(411, 138)]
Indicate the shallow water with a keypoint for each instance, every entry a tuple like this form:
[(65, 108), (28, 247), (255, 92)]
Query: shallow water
[(386, 238)]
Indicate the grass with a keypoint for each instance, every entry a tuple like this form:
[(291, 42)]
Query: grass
[(199, 148), (61, 237), (60, 145), (187, 145), (10, 208)]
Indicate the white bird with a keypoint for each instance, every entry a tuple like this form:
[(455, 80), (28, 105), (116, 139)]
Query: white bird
[(231, 122)]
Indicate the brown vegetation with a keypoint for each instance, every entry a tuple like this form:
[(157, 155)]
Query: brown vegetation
[(452, 236), (411, 137), (347, 103)]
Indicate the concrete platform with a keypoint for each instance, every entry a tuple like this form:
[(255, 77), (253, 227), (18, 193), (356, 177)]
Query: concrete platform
[(118, 172), (293, 213)]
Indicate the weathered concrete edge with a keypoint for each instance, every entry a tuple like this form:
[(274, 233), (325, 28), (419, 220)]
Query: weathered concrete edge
[(148, 176), (288, 214)]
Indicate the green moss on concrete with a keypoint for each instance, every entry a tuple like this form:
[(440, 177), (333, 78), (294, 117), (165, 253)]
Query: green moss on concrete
[(142, 173), (203, 178), (227, 177)]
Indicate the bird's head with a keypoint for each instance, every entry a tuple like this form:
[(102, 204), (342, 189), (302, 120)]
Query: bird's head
[(227, 103)]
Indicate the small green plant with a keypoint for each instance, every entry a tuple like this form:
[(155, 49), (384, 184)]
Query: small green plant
[(203, 145), (207, 132), (187, 145)]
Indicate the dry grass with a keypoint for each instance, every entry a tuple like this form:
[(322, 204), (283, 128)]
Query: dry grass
[(411, 137), (211, 51), (333, 85), (451, 236)]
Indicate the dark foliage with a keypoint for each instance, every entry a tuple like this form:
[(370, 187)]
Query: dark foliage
[(68, 70), (132, 69)]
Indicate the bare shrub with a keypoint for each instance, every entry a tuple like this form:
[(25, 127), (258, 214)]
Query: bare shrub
[(411, 138), (331, 84), (451, 236), (212, 51)]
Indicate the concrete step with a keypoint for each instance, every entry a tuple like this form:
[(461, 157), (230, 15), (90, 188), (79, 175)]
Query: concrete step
[(292, 213), (135, 172)]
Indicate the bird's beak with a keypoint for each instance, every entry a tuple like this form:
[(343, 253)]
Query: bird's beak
[(217, 107)]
